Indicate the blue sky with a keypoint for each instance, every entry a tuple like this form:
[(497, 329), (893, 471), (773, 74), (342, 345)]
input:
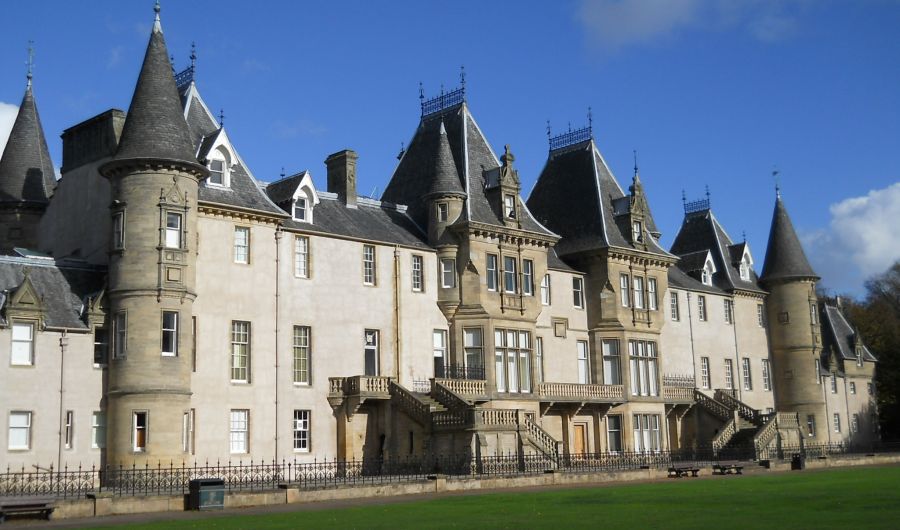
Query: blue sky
[(709, 92)]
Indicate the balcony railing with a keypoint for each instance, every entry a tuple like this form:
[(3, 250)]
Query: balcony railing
[(360, 385), (580, 392), (459, 371), (464, 387)]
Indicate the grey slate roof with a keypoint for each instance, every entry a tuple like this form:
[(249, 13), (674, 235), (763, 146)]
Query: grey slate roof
[(556, 263), (26, 171), (155, 125), (700, 232), (841, 336), (785, 259), (678, 279), (244, 190), (445, 179), (282, 191), (369, 221), (62, 286), (412, 179), (576, 196)]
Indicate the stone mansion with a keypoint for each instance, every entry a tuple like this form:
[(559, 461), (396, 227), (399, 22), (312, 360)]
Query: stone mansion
[(160, 303)]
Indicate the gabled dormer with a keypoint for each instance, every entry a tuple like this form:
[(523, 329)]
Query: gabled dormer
[(742, 260), (502, 187), (217, 154), (295, 195), (700, 265)]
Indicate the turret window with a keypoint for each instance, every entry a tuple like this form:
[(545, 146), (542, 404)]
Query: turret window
[(173, 230), (140, 430), (169, 333), (119, 230), (448, 273), (443, 212)]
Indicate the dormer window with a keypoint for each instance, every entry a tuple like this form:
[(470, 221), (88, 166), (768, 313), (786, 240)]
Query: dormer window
[(509, 206), (745, 271), (300, 209), (636, 232), (706, 275), (219, 168)]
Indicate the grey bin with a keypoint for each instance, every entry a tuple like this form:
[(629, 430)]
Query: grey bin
[(797, 463), (206, 494)]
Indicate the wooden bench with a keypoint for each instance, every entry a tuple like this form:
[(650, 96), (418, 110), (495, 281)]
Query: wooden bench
[(25, 506), (724, 468), (683, 471)]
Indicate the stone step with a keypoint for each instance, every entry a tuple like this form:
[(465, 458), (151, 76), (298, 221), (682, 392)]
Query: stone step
[(433, 405)]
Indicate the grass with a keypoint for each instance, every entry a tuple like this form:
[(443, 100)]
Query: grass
[(842, 498)]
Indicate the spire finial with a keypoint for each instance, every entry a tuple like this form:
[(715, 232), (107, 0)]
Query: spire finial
[(157, 26), (462, 77), (221, 118), (707, 195), (744, 235), (421, 92), (193, 55), (683, 199), (282, 171), (775, 174), (634, 151), (30, 63), (591, 121), (548, 129)]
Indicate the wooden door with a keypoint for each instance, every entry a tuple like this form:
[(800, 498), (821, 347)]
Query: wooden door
[(579, 443)]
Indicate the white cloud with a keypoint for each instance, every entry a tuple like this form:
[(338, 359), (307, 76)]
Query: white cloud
[(614, 24), (8, 114), (861, 240)]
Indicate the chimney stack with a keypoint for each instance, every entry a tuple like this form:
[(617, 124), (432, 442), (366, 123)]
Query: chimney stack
[(342, 176)]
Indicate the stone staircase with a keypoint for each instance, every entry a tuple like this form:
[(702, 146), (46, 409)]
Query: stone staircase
[(433, 404), (745, 428)]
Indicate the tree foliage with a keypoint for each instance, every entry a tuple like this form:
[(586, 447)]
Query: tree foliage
[(877, 318)]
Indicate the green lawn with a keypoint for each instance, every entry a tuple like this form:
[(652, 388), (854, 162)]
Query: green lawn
[(843, 498)]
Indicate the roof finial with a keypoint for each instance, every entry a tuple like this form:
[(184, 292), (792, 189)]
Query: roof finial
[(707, 195), (684, 199), (775, 173), (282, 171), (172, 63), (421, 92), (744, 235), (462, 77), (402, 151), (221, 118), (30, 63), (634, 151), (157, 26), (590, 122), (193, 55)]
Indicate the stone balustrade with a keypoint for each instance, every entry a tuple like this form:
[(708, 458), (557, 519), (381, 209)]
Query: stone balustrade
[(580, 392), (678, 394), (464, 387), (360, 385)]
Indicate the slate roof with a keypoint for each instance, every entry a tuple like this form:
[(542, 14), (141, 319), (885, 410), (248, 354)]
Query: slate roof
[(282, 191), (575, 196), (26, 171), (155, 126), (556, 263), (700, 232), (785, 259), (445, 178), (371, 221), (678, 279), (841, 335), (244, 190), (472, 156), (61, 285)]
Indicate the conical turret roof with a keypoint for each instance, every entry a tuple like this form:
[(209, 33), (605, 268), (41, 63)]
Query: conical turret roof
[(26, 172), (445, 179), (785, 259), (155, 126)]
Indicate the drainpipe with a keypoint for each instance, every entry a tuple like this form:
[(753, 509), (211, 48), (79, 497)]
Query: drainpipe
[(397, 341), (737, 360), (63, 343), (847, 405), (278, 235)]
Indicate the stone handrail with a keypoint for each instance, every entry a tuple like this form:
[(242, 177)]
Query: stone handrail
[(764, 436), (464, 387), (448, 398), (788, 420), (724, 436), (417, 409), (678, 394), (580, 391), (446, 418), (496, 417), (679, 381), (745, 411), (359, 384), (548, 444), (714, 407)]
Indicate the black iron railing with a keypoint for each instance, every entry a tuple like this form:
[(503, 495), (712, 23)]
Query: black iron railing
[(172, 479), (458, 371)]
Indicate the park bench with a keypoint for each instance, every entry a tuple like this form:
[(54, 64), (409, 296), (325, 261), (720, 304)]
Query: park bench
[(728, 468), (683, 471), (25, 506)]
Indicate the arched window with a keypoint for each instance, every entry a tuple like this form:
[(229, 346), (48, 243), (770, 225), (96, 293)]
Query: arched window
[(706, 275), (219, 168)]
